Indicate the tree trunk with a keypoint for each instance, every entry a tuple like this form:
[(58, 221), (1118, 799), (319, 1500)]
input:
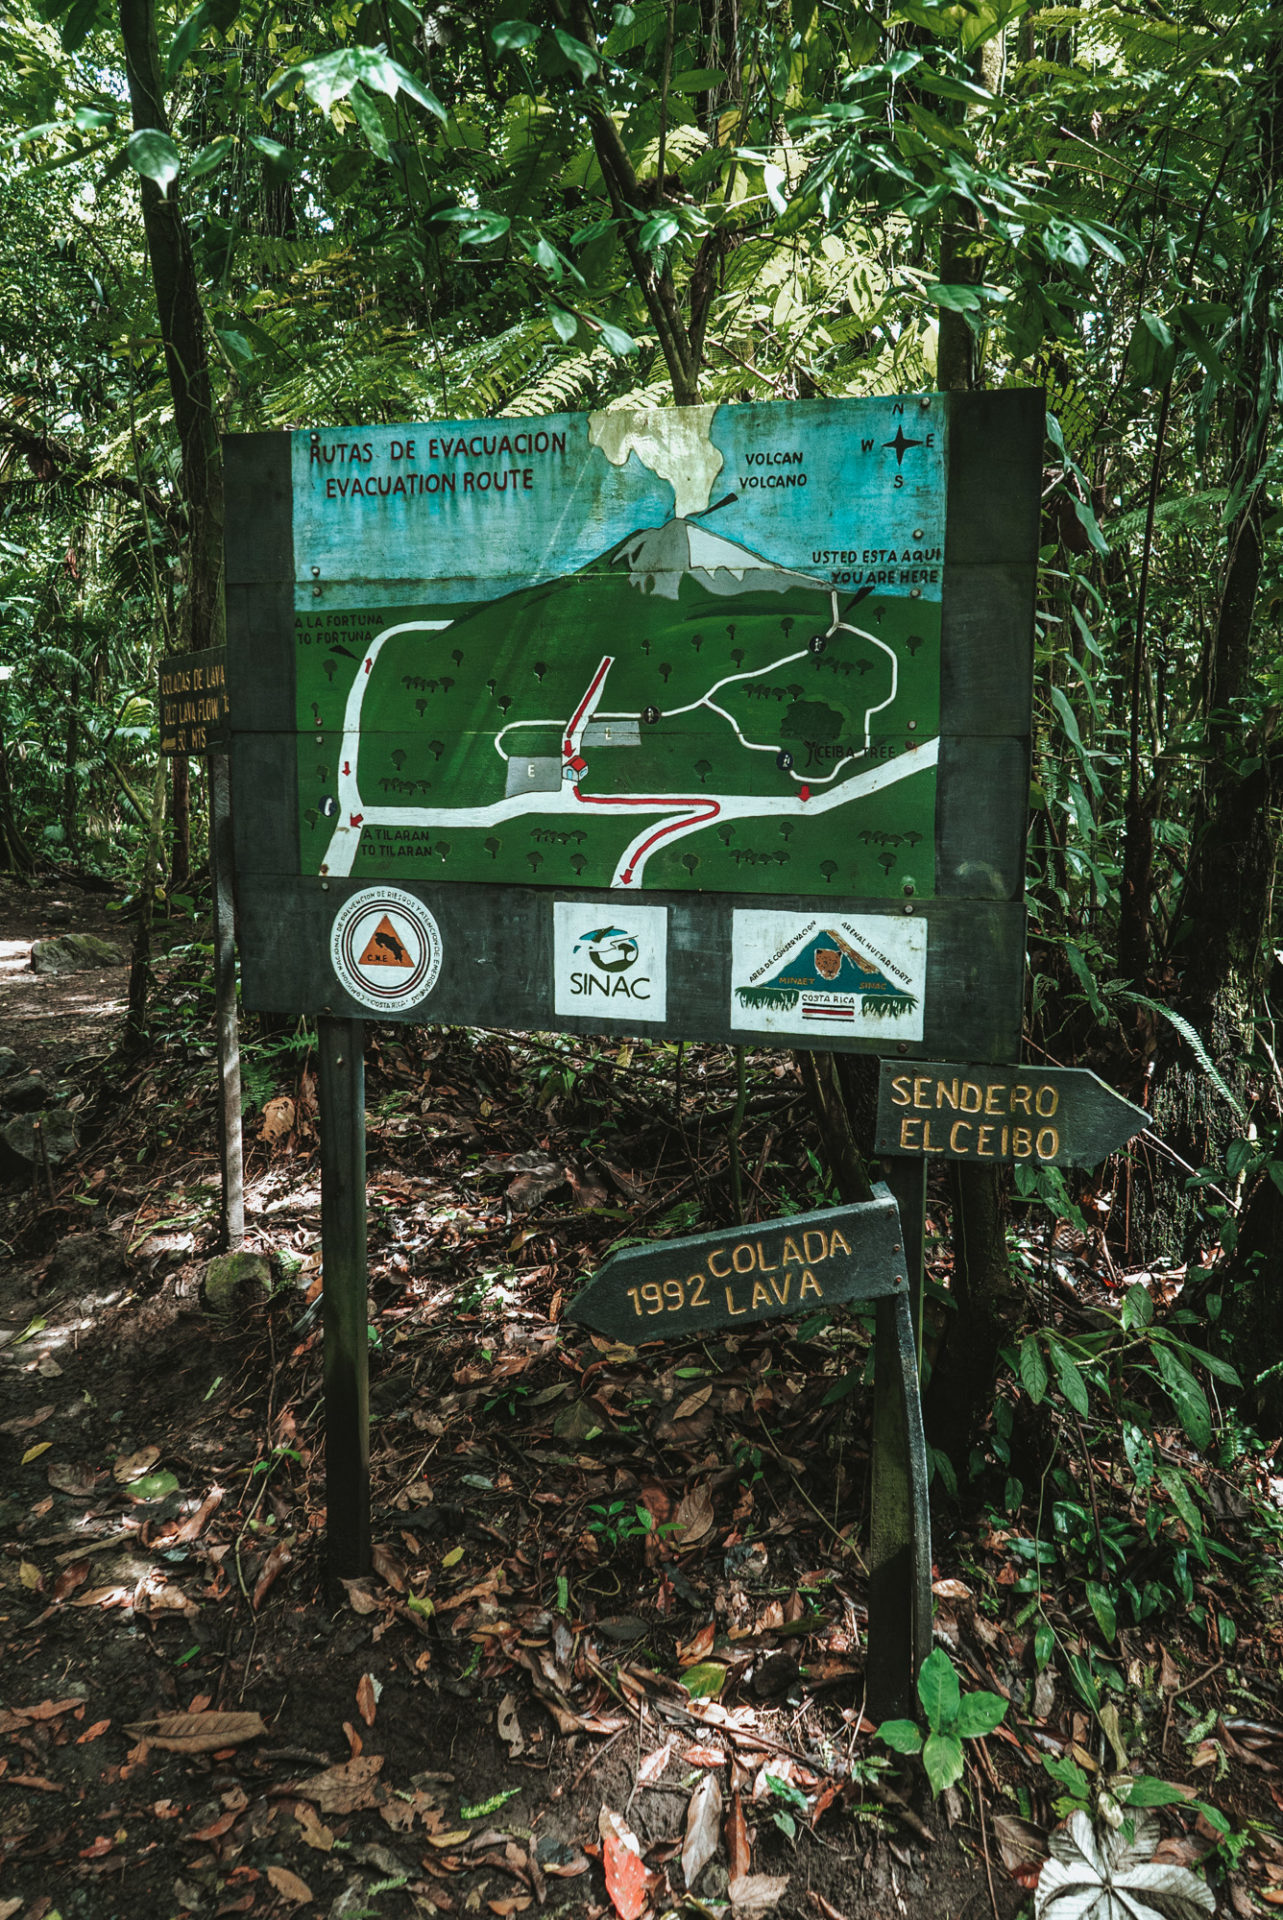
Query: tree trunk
[(1220, 931), (182, 330)]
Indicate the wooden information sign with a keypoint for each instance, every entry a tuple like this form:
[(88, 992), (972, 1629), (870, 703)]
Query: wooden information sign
[(723, 1279), (1052, 1116), (710, 723), (782, 1267), (195, 713)]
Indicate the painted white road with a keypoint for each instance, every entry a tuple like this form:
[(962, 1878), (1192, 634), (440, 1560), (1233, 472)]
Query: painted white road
[(693, 812)]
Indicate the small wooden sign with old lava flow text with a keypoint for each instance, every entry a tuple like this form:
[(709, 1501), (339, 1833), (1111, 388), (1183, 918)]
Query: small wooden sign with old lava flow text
[(1052, 1116), (742, 1275)]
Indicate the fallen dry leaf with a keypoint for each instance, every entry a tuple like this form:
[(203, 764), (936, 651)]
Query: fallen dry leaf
[(653, 1765), (200, 1732), (693, 1520), (356, 1745), (274, 1565), (824, 1906), (345, 1788), (132, 1466), (515, 1903), (315, 1833), (704, 1757), (278, 1121), (738, 1854), (755, 1894), (703, 1815), (95, 1732), (289, 1886), (627, 1880), (508, 1726), (367, 1698), (71, 1477)]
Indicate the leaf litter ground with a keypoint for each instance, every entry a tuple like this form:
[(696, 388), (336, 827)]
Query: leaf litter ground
[(610, 1658)]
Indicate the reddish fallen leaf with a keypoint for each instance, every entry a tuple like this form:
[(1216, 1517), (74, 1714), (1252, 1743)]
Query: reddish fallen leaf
[(738, 1853), (97, 1848), (367, 1699), (704, 1757), (34, 1780), (195, 1524), (354, 1740), (95, 1732), (200, 1732), (69, 1579), (516, 1903), (627, 1880), (698, 1648), (289, 1886), (653, 1765), (824, 1906), (216, 1828), (16, 1717), (274, 1565)]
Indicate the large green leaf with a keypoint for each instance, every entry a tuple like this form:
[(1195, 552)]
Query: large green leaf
[(979, 1714), (901, 1735), (938, 1690), (153, 154), (942, 1758)]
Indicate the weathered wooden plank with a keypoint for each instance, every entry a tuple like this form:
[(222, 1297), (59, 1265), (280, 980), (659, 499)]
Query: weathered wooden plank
[(497, 964), (343, 1299), (194, 710), (1050, 1116), (738, 1277), (258, 508)]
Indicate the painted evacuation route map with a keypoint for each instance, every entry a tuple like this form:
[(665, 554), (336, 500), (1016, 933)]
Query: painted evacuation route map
[(697, 649)]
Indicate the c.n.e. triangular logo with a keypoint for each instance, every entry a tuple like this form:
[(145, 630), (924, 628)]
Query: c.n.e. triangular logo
[(386, 948)]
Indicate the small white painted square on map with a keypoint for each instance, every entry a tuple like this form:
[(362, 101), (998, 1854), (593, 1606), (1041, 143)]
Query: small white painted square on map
[(610, 965), (827, 973)]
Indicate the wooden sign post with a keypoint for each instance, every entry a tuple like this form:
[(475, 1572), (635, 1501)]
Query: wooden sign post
[(195, 718), (1046, 1116), (706, 724), (779, 1268)]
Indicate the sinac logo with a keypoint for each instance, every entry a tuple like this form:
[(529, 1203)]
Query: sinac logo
[(609, 948)]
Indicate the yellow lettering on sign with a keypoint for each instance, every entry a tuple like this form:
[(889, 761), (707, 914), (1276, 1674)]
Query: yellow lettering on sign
[(760, 1296), (718, 1273), (791, 1253), (745, 1265), (1046, 1100), (984, 1145), (731, 1306), (1022, 1142), (920, 1084), (947, 1094), (807, 1238), (1047, 1143), (837, 1240), (775, 1288), (1021, 1095), (901, 1090), (958, 1128), (764, 1266), (927, 1146), (809, 1285), (972, 1100), (993, 1097), (907, 1142)]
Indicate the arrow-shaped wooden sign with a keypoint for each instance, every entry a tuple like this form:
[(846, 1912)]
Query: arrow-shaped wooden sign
[(737, 1276), (1052, 1116)]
